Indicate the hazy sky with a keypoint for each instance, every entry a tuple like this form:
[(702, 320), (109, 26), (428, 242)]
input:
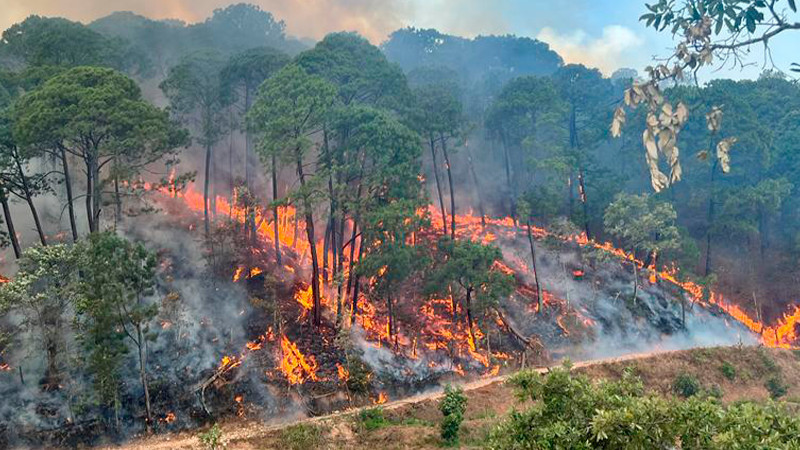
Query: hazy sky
[(600, 33)]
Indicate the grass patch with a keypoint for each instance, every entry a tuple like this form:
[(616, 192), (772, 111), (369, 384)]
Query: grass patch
[(770, 366), (414, 422), (301, 437)]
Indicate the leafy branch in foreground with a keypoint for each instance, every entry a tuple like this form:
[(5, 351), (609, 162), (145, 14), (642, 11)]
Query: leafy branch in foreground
[(700, 23)]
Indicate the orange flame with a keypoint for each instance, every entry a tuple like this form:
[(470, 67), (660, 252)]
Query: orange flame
[(294, 365)]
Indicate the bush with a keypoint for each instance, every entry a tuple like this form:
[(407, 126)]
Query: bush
[(686, 385), (572, 412), (301, 437), (776, 387), (360, 376), (212, 439), (372, 419), (728, 371), (453, 406)]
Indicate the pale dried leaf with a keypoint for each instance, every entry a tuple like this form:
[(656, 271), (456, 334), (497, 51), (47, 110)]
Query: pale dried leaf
[(723, 153)]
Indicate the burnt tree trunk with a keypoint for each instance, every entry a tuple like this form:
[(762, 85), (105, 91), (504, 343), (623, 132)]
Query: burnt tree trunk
[(469, 318), (309, 216), (539, 298), (449, 183), (206, 184), (325, 247), (276, 226), (12, 234), (141, 343), (438, 184), (356, 283)]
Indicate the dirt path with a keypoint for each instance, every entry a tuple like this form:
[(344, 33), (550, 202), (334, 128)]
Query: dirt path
[(238, 431)]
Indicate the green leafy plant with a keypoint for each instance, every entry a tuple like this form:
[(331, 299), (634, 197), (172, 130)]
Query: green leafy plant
[(728, 371), (212, 439), (453, 406), (686, 385), (573, 412), (372, 419)]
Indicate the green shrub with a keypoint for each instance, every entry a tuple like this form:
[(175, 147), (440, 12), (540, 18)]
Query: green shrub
[(453, 406), (372, 419), (212, 439), (686, 385), (776, 386), (728, 371), (573, 412), (359, 377), (301, 437)]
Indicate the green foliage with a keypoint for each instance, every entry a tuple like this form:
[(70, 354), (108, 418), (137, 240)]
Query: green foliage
[(359, 375), (452, 406), (569, 411), (117, 281), (776, 386), (196, 95), (728, 370), (358, 70), (212, 439), (372, 419), (301, 437), (44, 292), (641, 223), (686, 385), (290, 105), (56, 41), (468, 270)]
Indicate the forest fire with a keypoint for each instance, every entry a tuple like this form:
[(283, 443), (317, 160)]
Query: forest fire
[(437, 331)]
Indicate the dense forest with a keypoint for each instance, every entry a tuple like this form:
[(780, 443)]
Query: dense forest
[(177, 197)]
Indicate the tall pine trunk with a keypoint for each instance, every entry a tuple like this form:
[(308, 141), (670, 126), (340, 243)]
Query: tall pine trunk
[(309, 216), (68, 187), (206, 185), (12, 234), (275, 225), (540, 300), (449, 183), (438, 185), (481, 209), (26, 190), (469, 318), (143, 376), (710, 218)]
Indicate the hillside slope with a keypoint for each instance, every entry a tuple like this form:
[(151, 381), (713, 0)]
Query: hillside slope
[(735, 373)]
